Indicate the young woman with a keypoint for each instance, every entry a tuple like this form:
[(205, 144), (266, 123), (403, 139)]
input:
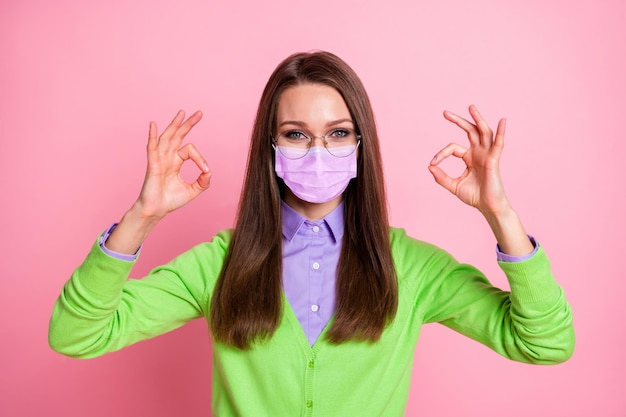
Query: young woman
[(313, 301)]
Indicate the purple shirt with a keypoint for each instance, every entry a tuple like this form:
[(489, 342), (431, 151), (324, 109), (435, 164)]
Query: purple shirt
[(310, 256)]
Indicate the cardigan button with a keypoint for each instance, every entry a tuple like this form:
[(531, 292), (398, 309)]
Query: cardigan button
[(311, 364), (309, 404)]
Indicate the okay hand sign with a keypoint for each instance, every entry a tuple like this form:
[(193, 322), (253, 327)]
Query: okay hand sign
[(163, 189), (480, 185)]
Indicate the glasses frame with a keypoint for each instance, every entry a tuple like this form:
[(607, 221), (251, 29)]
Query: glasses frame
[(312, 137)]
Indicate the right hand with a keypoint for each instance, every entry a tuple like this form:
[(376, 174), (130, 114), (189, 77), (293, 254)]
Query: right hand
[(164, 190)]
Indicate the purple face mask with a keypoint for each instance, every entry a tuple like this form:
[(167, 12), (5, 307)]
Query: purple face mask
[(318, 177)]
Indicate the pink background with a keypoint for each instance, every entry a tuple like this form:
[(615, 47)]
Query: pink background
[(79, 82)]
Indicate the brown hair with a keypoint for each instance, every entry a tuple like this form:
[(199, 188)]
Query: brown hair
[(247, 300)]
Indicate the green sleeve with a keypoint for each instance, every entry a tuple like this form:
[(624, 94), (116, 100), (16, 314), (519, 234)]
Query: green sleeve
[(531, 323), (101, 310)]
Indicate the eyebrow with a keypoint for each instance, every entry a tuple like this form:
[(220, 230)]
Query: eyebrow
[(303, 124)]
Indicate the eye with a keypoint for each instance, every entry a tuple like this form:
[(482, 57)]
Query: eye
[(339, 133), (295, 135)]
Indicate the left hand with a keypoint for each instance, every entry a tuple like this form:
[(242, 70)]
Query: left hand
[(480, 185)]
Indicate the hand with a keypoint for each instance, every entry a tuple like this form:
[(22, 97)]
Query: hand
[(163, 189), (480, 185)]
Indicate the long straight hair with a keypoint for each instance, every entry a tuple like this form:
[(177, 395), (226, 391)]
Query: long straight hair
[(247, 301)]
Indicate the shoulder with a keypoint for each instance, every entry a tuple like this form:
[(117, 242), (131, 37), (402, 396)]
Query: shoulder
[(218, 245), (222, 238), (417, 258), (205, 256), (404, 245)]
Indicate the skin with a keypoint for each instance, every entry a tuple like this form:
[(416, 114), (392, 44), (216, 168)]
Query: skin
[(317, 108)]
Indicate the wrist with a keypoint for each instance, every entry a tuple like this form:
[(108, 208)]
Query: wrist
[(142, 216), (498, 219), (131, 231)]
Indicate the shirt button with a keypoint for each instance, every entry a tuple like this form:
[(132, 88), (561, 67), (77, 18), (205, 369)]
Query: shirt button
[(316, 266), (315, 307), (316, 229)]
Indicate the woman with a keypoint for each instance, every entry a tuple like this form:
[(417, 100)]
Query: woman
[(314, 302)]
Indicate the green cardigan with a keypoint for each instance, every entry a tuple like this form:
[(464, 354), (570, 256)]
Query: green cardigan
[(100, 310)]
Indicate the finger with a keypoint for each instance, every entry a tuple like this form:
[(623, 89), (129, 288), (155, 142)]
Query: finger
[(499, 140), (153, 144), (189, 151), (452, 149), (182, 131), (172, 127), (202, 183), (472, 131), (486, 134), (443, 179), (153, 139), (175, 138)]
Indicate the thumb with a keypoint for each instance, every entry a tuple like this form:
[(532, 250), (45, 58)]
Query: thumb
[(442, 178)]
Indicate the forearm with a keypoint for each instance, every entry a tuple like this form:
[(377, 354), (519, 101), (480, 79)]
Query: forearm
[(532, 323), (131, 231), (539, 311), (509, 232), (83, 314), (100, 310)]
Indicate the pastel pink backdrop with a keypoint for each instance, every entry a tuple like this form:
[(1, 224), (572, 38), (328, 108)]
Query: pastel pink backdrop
[(79, 82)]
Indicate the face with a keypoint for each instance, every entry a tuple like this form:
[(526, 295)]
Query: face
[(315, 109)]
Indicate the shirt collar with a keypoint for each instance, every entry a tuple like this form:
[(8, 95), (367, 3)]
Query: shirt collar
[(293, 221)]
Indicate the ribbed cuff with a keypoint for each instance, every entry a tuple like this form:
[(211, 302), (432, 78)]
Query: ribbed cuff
[(503, 257), (116, 255), (531, 280)]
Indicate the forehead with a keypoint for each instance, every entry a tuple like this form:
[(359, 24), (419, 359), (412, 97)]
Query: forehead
[(311, 104)]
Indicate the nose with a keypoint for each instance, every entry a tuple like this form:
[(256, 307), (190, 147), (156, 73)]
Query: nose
[(321, 138)]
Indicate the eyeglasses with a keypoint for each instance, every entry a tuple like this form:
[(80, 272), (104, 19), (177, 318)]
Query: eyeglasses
[(295, 144)]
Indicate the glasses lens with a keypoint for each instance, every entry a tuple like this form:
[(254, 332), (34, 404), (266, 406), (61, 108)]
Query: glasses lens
[(341, 142), (293, 144)]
